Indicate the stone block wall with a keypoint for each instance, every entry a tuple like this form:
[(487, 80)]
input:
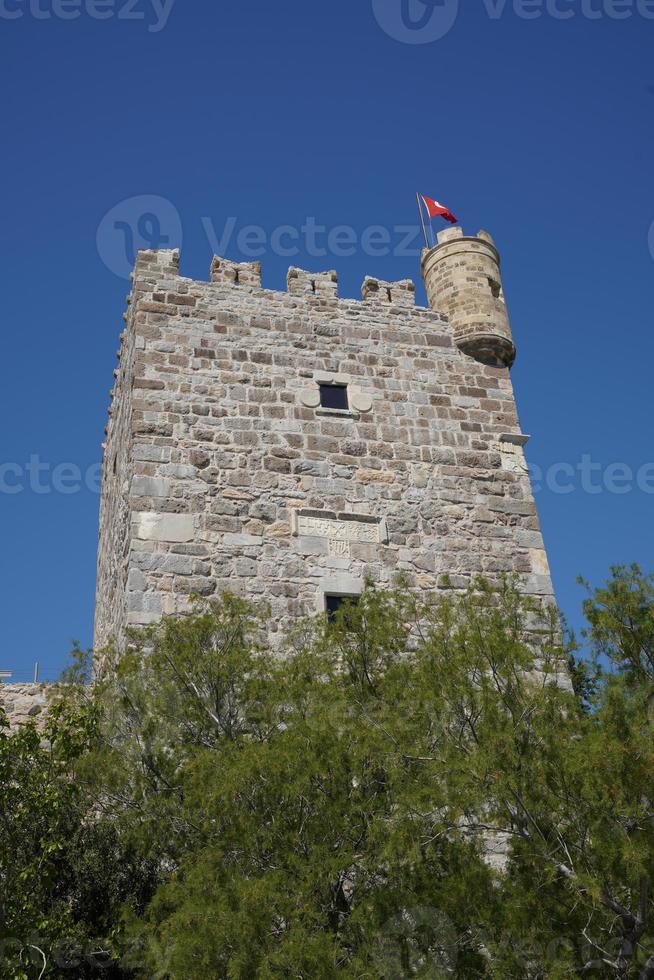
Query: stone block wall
[(222, 471), (24, 702)]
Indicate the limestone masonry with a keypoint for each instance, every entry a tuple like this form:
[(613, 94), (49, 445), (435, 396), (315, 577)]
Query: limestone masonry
[(227, 466), (24, 702)]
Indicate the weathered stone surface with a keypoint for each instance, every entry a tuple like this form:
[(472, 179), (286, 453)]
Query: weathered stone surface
[(462, 277), (24, 702), (375, 476), (164, 527), (150, 486), (217, 441)]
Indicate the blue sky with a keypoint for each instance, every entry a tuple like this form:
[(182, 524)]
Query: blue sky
[(537, 128)]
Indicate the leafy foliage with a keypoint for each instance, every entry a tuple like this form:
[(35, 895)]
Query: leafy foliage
[(40, 811), (417, 789)]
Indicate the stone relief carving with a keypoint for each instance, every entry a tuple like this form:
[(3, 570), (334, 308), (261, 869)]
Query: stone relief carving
[(338, 548), (317, 527), (339, 532)]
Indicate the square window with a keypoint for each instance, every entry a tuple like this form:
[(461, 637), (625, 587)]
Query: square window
[(334, 396), (334, 603)]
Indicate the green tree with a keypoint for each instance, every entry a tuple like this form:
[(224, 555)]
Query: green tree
[(41, 808), (65, 875), (417, 789), (287, 798)]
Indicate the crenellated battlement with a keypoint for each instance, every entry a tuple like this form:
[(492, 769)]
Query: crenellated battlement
[(153, 263), (299, 282), (456, 234), (462, 280), (244, 274), (461, 274), (159, 290), (402, 293), (153, 266)]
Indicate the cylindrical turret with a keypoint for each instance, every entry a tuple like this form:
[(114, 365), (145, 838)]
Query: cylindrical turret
[(462, 279)]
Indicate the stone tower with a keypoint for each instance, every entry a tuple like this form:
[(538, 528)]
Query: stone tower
[(287, 445), (462, 279)]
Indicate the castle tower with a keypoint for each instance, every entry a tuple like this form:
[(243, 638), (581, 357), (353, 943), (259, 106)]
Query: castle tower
[(462, 279), (287, 445)]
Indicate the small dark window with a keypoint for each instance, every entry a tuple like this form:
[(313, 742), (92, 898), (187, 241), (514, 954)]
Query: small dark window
[(334, 396), (334, 603)]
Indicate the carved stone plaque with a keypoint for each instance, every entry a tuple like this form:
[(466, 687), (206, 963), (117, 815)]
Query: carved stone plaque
[(340, 531)]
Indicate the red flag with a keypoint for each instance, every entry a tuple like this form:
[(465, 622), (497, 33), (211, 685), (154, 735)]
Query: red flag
[(435, 210)]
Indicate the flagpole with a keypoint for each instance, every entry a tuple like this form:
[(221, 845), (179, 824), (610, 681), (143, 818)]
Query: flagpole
[(422, 220)]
